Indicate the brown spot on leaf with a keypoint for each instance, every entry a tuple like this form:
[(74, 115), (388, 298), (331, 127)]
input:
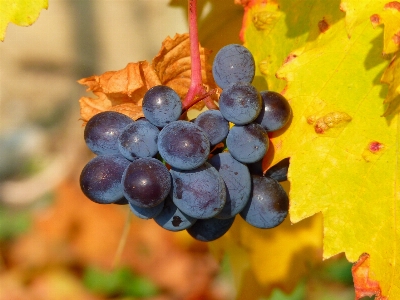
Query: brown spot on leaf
[(396, 38), (375, 20), (311, 119), (363, 284), (290, 57), (393, 5), (330, 120), (323, 26), (375, 147)]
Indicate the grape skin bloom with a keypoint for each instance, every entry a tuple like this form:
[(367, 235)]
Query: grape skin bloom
[(199, 193), (138, 139), (146, 182), (237, 183), (240, 103), (172, 219), (183, 145), (102, 132), (247, 143), (214, 125), (268, 205), (100, 179), (275, 111), (233, 63), (161, 105)]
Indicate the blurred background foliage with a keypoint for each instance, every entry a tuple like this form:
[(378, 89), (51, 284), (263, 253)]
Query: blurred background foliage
[(54, 243)]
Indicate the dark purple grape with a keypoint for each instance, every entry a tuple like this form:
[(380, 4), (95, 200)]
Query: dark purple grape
[(268, 205), (171, 218), (233, 63), (240, 103), (161, 105), (210, 229), (138, 140), (146, 212), (146, 182), (199, 193), (183, 145), (275, 112), (279, 171), (237, 183), (247, 143), (100, 179), (102, 131), (214, 125)]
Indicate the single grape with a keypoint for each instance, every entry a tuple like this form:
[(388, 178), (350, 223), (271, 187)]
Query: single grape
[(275, 111), (240, 103), (279, 171), (100, 179), (146, 182), (146, 212), (210, 229), (237, 183), (183, 145), (102, 131), (268, 205), (233, 63), (172, 219), (247, 143), (138, 139), (214, 125), (161, 105), (199, 193)]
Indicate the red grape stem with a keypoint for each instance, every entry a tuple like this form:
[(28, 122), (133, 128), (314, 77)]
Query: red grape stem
[(196, 89)]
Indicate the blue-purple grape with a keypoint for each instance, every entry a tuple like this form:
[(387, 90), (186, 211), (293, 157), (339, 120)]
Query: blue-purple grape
[(161, 105), (240, 103), (100, 179), (102, 131), (247, 143), (210, 229), (146, 212), (183, 145), (138, 139), (146, 182), (275, 111), (268, 205), (233, 63), (237, 183), (279, 171), (214, 125), (199, 193), (172, 219)]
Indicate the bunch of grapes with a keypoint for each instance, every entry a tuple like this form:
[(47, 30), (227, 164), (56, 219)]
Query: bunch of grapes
[(170, 170)]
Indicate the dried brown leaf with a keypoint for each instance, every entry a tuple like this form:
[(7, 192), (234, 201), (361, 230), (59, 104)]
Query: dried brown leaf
[(173, 65), (124, 88)]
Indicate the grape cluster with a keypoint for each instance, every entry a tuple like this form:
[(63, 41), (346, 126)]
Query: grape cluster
[(170, 170)]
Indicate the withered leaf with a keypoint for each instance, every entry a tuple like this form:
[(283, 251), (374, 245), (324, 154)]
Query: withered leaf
[(123, 90)]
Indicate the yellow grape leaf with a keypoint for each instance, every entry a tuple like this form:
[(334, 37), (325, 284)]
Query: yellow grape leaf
[(344, 155), (123, 90), (379, 12), (19, 12), (392, 78)]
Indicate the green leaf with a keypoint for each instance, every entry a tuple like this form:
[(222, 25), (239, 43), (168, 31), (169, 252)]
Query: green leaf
[(118, 282), (19, 12)]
